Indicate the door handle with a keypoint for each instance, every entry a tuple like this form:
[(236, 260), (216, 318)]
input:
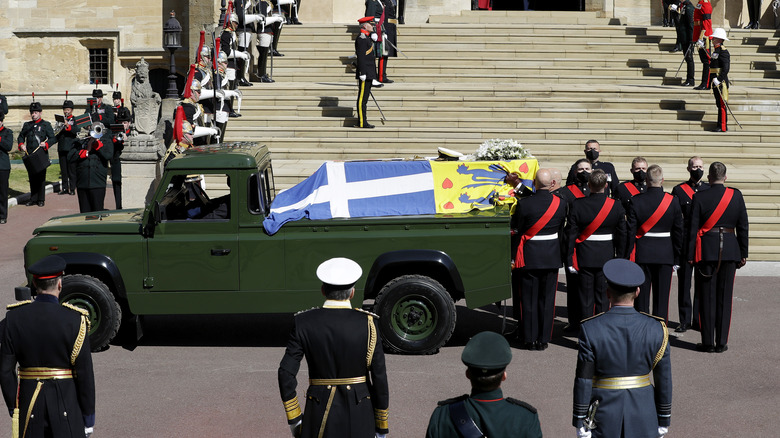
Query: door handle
[(220, 252)]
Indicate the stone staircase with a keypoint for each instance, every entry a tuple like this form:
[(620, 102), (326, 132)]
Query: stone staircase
[(506, 74)]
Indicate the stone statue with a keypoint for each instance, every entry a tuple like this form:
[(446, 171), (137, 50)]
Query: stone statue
[(146, 103)]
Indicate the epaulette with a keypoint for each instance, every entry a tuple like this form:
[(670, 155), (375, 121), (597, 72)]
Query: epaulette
[(19, 304), (304, 311), (450, 401), (591, 317), (517, 402), (367, 312), (76, 308), (653, 316)]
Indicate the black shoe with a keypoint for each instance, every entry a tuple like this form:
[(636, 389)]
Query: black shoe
[(29, 203), (287, 20), (276, 53), (675, 50), (366, 126), (688, 84), (62, 192), (234, 115), (73, 192), (682, 328), (721, 348), (718, 129), (2, 220), (749, 26), (388, 81), (705, 348), (244, 83), (701, 87), (267, 79), (541, 346), (295, 21), (41, 204), (529, 346)]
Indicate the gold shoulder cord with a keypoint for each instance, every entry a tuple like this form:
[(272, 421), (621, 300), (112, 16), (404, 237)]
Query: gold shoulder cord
[(660, 354), (371, 341), (79, 340)]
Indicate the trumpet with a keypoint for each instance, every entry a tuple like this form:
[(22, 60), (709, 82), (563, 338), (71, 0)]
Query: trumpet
[(120, 136), (58, 128), (97, 130)]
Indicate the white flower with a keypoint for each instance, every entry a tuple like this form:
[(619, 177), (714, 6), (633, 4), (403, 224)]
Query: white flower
[(501, 149)]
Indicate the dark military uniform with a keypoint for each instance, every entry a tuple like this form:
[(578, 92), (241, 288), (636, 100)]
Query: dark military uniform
[(348, 393), (754, 14), (116, 159), (387, 48), (588, 253), (102, 113), (685, 38), (6, 144), (3, 104), (702, 28), (688, 312), (38, 136), (717, 248), (364, 49), (720, 63), (607, 167), (538, 221), (569, 194), (65, 142), (627, 190), (91, 158), (655, 232), (617, 352)]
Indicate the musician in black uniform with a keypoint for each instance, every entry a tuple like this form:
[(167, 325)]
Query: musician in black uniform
[(348, 392), (596, 233), (592, 151), (485, 412), (365, 72), (36, 137), (119, 138), (720, 63), (617, 352), (91, 157), (55, 390), (537, 226), (99, 111), (65, 139), (689, 312), (628, 189), (576, 190), (719, 246), (6, 144), (118, 102), (3, 105), (754, 14), (655, 233)]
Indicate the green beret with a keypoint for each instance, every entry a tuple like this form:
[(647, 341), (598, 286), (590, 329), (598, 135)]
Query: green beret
[(487, 351)]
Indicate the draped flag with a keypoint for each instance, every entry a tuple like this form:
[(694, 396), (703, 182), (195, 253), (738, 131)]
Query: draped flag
[(395, 188)]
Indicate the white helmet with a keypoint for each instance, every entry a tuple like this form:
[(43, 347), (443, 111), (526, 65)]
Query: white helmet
[(205, 52), (719, 33), (234, 18), (222, 57), (195, 86)]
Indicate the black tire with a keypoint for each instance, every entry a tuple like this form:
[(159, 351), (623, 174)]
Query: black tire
[(416, 315), (93, 295)]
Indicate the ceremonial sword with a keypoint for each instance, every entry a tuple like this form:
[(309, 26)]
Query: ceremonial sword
[(384, 119), (690, 46), (590, 421), (726, 104)]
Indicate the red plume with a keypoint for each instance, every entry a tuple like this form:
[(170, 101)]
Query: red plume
[(66, 94), (187, 91), (33, 96), (117, 86), (200, 45), (178, 124), (227, 14), (216, 53)]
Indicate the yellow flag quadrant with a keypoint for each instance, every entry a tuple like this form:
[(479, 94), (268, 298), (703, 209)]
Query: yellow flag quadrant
[(461, 186)]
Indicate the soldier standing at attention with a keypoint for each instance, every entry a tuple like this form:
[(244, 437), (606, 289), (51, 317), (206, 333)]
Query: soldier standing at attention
[(6, 144), (65, 139), (719, 246), (485, 412), (702, 29), (720, 62), (655, 232), (366, 70), (592, 151), (3, 105), (54, 395), (689, 313), (91, 158), (628, 189), (538, 221), (123, 117), (36, 136), (388, 28), (348, 394), (685, 36), (99, 111), (617, 352)]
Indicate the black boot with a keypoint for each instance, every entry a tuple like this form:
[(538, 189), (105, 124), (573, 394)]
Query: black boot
[(117, 194)]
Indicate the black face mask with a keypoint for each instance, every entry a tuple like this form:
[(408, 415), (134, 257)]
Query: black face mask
[(591, 154), (583, 177), (696, 174), (639, 176)]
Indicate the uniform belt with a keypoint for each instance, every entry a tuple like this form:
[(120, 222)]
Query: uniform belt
[(599, 237), (552, 236), (336, 382), (43, 373), (621, 382), (721, 230), (392, 21), (666, 234), (715, 71)]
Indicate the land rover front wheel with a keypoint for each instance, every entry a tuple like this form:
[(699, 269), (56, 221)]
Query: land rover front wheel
[(92, 295), (417, 315)]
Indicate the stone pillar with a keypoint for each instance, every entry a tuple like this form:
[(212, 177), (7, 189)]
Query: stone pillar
[(139, 170)]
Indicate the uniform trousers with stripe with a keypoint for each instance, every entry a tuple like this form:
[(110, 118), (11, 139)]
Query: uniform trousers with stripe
[(364, 91), (592, 291), (688, 310), (659, 278), (705, 67), (537, 295), (717, 291), (723, 116)]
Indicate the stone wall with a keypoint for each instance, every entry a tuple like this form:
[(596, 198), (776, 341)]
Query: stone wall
[(726, 13)]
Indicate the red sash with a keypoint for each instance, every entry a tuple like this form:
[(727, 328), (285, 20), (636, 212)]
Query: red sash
[(575, 191), (592, 227), (648, 225), (631, 188), (687, 189), (716, 215), (534, 230)]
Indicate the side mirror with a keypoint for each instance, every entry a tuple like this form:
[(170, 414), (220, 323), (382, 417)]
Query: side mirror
[(22, 293)]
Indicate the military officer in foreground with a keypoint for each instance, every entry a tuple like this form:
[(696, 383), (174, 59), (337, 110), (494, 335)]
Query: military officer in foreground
[(617, 352), (485, 412), (348, 393), (719, 246), (54, 395), (592, 152)]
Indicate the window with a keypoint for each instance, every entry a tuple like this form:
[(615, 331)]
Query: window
[(99, 66)]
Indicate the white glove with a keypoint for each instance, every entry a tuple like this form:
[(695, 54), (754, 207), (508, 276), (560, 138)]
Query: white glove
[(295, 429), (662, 431), (273, 19), (89, 430), (374, 37), (362, 77), (572, 270), (675, 268), (376, 19), (582, 433), (715, 82), (381, 435), (673, 8), (700, 44)]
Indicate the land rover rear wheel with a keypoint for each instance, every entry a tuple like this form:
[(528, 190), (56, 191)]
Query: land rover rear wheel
[(417, 315), (93, 295)]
